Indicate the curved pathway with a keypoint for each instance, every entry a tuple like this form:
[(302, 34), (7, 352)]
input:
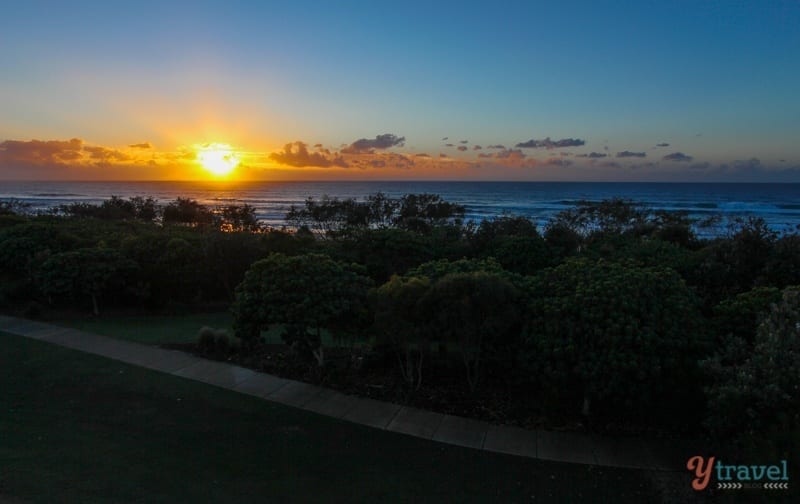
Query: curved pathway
[(546, 445)]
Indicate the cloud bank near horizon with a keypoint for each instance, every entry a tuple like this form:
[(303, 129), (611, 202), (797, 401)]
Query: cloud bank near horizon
[(77, 159)]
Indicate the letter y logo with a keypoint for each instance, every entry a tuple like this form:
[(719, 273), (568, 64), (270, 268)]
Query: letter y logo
[(701, 471)]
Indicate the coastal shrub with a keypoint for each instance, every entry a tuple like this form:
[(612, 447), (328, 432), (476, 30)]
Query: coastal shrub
[(115, 208), (85, 272), (754, 387), (562, 240), (782, 267), (188, 212), (309, 294), (620, 333), (401, 326), (740, 316), (524, 255), (384, 252), (472, 311), (214, 342)]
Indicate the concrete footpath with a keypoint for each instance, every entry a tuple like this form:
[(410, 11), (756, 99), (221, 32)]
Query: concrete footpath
[(545, 445)]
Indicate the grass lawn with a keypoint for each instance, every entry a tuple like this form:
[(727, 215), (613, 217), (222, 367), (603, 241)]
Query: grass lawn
[(80, 428), (152, 329), (160, 329)]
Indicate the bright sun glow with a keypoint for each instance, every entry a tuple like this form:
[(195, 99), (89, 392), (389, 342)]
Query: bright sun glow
[(218, 159)]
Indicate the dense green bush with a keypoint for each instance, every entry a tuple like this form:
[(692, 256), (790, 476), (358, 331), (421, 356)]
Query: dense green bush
[(309, 294), (622, 334), (401, 326), (473, 313), (754, 389), (85, 273), (740, 316)]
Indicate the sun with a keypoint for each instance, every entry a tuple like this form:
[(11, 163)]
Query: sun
[(217, 158)]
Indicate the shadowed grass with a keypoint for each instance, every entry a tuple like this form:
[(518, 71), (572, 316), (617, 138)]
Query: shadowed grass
[(81, 428)]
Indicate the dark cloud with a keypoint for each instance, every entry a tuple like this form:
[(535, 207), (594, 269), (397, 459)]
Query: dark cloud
[(496, 146), (678, 157), (476, 147), (296, 154), (593, 155), (557, 162), (550, 144), (627, 154), (39, 152), (442, 155), (662, 145), (422, 155), (143, 145), (367, 146), (318, 146), (464, 141), (445, 138), (377, 163), (449, 145), (509, 154), (462, 148)]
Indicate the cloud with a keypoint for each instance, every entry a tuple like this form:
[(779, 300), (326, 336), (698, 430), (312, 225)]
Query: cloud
[(593, 155), (678, 157), (449, 145), (442, 156), (39, 152), (464, 141), (627, 154), (496, 146), (367, 146), (103, 155), (510, 154), (462, 148), (550, 144), (143, 145), (445, 138), (296, 154), (422, 155), (662, 145), (557, 162), (476, 147)]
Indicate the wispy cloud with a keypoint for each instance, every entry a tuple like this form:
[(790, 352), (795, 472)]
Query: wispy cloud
[(663, 144), (143, 145), (592, 155)]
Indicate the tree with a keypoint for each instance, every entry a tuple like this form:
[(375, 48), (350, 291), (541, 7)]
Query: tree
[(472, 311), (740, 316), (187, 211), (308, 294), (85, 272), (754, 390), (621, 333), (400, 323)]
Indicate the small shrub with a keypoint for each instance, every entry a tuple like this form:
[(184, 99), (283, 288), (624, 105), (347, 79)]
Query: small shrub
[(214, 342)]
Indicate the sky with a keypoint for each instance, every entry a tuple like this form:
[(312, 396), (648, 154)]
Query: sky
[(302, 90)]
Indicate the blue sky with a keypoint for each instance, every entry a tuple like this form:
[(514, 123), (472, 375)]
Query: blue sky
[(717, 81)]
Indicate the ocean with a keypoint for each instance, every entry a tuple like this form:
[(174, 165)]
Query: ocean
[(778, 204)]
